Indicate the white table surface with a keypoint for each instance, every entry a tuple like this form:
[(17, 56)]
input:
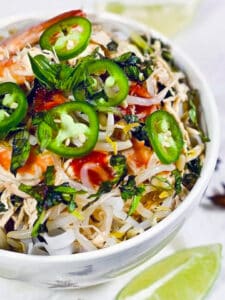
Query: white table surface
[(205, 43)]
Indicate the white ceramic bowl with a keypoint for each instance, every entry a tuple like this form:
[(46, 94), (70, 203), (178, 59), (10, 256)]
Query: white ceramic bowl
[(85, 269)]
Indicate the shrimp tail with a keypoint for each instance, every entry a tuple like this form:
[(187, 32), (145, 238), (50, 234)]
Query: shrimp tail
[(31, 35)]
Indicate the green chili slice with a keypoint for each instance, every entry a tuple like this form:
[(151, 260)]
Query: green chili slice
[(165, 136), (13, 107), (106, 84), (72, 135), (68, 37)]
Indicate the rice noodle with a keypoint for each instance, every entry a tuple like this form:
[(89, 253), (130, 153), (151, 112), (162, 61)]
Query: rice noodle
[(117, 204), (134, 100), (84, 242), (144, 212), (63, 221), (61, 240), (108, 219), (121, 145), (84, 174), (152, 169), (150, 86), (19, 234), (37, 250)]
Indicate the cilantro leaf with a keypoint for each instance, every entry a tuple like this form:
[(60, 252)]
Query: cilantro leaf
[(178, 181), (130, 190), (21, 150)]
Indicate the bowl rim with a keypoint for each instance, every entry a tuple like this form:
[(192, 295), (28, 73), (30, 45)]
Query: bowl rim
[(201, 184)]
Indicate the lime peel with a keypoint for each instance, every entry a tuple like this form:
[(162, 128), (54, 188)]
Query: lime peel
[(188, 275)]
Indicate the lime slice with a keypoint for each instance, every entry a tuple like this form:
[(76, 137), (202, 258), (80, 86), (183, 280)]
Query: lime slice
[(168, 17), (186, 275)]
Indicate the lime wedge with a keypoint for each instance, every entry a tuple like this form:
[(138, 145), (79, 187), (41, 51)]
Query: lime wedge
[(168, 17), (186, 275)]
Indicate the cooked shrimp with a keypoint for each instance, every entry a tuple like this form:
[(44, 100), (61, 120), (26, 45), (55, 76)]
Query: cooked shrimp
[(5, 157), (139, 156), (17, 68), (40, 161), (35, 160), (32, 34), (14, 64)]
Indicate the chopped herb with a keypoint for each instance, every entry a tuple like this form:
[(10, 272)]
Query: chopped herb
[(195, 166), (134, 203), (38, 192), (204, 137), (141, 43), (38, 225), (48, 196), (49, 176), (133, 73), (118, 162), (16, 200), (128, 58), (2, 207), (178, 181), (189, 180), (112, 46), (37, 119), (72, 206), (60, 76), (21, 150), (167, 55), (46, 135), (138, 132), (131, 119), (105, 187), (135, 69), (130, 190)]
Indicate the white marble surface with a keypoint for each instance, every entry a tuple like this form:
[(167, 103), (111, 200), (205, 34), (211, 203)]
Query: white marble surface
[(204, 42)]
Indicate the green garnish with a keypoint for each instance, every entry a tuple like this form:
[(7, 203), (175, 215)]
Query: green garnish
[(129, 190), (48, 195), (178, 181), (21, 150), (2, 207), (135, 69)]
